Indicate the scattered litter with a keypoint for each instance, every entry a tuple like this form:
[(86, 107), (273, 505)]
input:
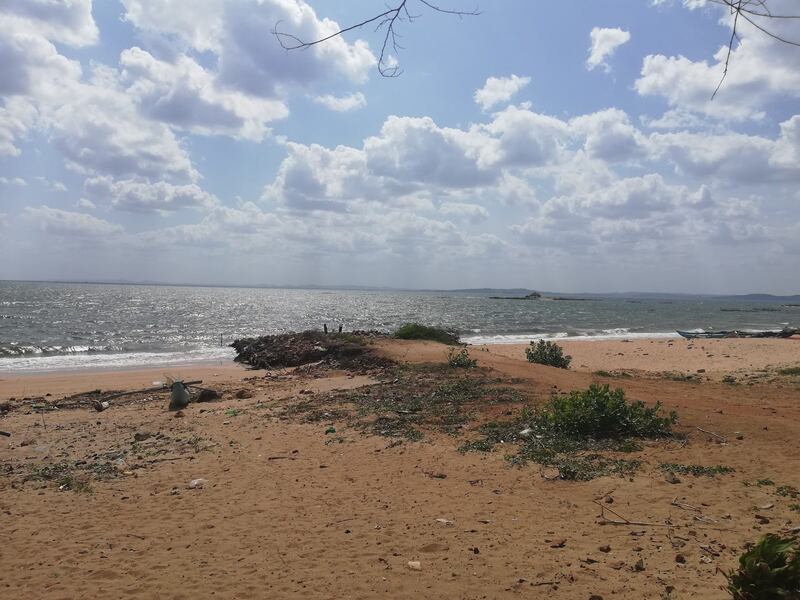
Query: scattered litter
[(670, 477)]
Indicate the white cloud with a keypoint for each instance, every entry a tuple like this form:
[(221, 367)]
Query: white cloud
[(186, 95), (342, 103), (68, 22), (499, 89), (604, 42), (463, 210), (70, 224), (139, 195), (609, 135), (86, 204), (18, 181), (250, 59)]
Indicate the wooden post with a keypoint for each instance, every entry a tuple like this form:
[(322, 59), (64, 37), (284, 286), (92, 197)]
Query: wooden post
[(325, 327)]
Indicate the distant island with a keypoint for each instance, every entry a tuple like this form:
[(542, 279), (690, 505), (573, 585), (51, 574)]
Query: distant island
[(531, 296)]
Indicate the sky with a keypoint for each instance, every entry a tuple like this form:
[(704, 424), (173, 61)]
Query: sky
[(570, 146)]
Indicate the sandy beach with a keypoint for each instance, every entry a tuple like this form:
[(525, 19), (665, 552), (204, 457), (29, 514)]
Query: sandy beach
[(297, 502)]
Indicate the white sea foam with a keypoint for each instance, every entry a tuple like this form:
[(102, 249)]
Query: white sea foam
[(121, 360), (605, 334)]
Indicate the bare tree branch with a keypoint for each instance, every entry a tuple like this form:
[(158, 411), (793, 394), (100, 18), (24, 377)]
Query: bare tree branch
[(749, 10), (387, 64)]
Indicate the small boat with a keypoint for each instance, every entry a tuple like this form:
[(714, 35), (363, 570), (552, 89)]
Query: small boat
[(705, 335), (786, 332)]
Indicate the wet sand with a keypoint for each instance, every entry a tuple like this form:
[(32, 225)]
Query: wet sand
[(288, 511)]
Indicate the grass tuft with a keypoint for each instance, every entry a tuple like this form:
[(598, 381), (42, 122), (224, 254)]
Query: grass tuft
[(417, 331)]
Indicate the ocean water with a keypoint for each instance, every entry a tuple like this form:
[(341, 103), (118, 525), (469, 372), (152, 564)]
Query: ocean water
[(51, 326)]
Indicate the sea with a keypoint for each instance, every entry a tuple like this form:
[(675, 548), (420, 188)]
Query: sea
[(67, 326)]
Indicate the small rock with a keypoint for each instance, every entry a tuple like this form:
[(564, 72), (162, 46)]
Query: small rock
[(762, 520), (766, 506), (616, 565), (141, 436), (595, 597), (670, 477), (639, 566), (197, 484), (605, 548), (609, 500), (244, 394), (179, 414), (680, 559), (444, 521), (558, 543), (701, 370), (415, 565), (207, 395), (27, 442)]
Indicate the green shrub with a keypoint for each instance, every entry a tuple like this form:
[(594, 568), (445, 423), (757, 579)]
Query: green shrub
[(770, 570), (461, 359), (417, 331), (601, 413), (790, 371), (547, 353), (568, 432)]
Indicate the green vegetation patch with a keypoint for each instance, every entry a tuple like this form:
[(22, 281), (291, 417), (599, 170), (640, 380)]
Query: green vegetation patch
[(697, 470), (569, 433), (547, 353), (413, 399), (417, 331), (461, 359), (790, 371), (767, 571)]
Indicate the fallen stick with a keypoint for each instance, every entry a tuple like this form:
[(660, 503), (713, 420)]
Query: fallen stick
[(5, 434), (711, 433)]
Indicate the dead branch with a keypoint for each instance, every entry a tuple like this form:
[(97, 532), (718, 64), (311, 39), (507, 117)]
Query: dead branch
[(749, 10), (711, 433), (388, 20)]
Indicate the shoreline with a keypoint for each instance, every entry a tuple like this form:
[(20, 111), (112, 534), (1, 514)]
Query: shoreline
[(713, 359)]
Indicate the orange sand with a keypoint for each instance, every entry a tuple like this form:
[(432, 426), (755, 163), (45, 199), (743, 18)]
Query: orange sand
[(289, 512)]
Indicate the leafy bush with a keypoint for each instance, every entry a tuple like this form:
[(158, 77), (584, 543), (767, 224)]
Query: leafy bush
[(568, 432), (461, 359), (547, 353), (604, 414), (770, 570), (417, 331)]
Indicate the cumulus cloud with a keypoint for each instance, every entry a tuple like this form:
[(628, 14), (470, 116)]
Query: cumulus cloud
[(68, 22), (497, 90), (139, 195), (70, 224), (604, 42), (249, 60), (186, 95), (342, 103), (18, 181)]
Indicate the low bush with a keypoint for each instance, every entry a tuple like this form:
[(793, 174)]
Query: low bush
[(770, 570), (417, 331), (547, 353), (601, 413), (568, 432), (461, 359)]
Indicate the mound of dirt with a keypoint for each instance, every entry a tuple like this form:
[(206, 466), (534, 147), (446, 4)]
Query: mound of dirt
[(303, 348)]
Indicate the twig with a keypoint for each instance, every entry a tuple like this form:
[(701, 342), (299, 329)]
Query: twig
[(684, 506), (716, 435), (5, 434)]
